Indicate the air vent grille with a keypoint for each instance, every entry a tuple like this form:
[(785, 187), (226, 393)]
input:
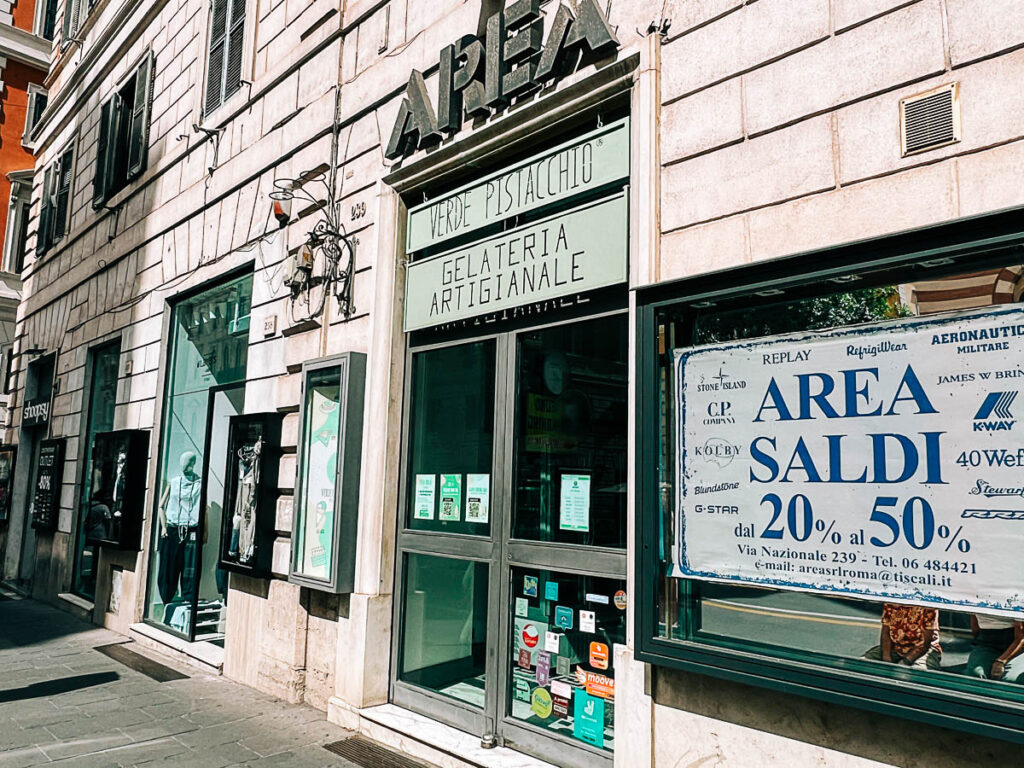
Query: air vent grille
[(930, 120)]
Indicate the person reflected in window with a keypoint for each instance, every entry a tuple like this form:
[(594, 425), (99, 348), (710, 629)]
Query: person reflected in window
[(998, 642), (910, 636)]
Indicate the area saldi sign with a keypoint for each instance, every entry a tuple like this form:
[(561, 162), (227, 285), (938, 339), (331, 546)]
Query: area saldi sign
[(881, 462), (477, 76), (580, 250)]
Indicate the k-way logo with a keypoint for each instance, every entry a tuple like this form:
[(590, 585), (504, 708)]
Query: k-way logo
[(996, 404)]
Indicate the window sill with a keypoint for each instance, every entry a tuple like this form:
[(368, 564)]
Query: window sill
[(963, 711), (207, 654)]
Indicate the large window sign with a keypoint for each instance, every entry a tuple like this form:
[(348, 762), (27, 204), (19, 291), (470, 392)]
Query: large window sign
[(46, 491), (829, 470), (327, 498), (882, 461)]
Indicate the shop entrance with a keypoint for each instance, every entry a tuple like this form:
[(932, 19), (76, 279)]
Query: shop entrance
[(511, 564), (187, 590)]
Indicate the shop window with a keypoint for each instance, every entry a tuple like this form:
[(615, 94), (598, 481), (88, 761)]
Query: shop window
[(562, 674), (452, 438), (209, 345), (571, 441), (122, 146), (444, 636), (828, 482), (100, 415), (55, 201), (224, 65), (327, 499)]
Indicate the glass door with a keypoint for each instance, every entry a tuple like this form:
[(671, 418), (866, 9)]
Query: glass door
[(445, 663), (511, 566), (209, 347), (210, 606)]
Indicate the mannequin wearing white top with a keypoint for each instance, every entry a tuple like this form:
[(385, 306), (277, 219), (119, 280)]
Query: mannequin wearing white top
[(179, 520)]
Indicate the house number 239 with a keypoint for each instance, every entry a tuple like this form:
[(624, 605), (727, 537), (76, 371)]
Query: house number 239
[(358, 211)]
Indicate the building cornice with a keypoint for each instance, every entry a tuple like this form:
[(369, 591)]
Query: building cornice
[(25, 47)]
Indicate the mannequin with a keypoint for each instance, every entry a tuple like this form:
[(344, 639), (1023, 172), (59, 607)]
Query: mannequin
[(179, 526), (243, 523)]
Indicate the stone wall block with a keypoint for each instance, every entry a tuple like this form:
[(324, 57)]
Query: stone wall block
[(754, 35), (907, 200), (980, 28), (779, 166), (847, 67), (709, 119)]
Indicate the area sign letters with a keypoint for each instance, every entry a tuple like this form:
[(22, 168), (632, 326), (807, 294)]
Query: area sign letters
[(477, 76)]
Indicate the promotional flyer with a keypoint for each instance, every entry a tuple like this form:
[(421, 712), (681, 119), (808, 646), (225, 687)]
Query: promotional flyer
[(882, 461)]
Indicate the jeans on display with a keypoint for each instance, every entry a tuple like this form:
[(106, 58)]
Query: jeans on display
[(932, 659), (988, 646), (177, 563)]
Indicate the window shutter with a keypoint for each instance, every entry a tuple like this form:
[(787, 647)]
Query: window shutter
[(62, 199), (138, 138), (99, 181), (236, 34), (45, 213), (218, 45), (72, 10)]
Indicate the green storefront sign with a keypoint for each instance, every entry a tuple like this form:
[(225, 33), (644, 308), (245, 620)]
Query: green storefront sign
[(576, 251), (579, 166)]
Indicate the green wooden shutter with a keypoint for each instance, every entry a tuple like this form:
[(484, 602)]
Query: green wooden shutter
[(138, 136), (236, 35), (62, 198), (217, 54), (45, 214), (99, 180), (72, 19)]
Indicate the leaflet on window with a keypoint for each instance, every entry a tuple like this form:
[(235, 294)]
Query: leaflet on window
[(478, 498), (574, 509), (451, 498), (882, 461), (426, 488)]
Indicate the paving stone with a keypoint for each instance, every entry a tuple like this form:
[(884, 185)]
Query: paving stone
[(127, 719)]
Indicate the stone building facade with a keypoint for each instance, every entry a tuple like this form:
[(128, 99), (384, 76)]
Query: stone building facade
[(223, 209)]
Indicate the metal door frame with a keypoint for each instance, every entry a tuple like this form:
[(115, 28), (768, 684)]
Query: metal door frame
[(502, 553)]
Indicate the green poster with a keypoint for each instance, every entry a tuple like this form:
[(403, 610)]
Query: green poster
[(426, 487), (478, 498), (588, 718), (451, 497), (321, 464), (574, 510)]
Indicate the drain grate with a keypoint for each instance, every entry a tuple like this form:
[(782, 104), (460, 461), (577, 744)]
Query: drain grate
[(370, 754), (140, 663)]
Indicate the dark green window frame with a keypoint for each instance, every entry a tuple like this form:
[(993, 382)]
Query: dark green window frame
[(961, 704)]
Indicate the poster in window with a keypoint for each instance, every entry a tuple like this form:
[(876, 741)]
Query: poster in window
[(426, 490), (574, 507), (478, 495), (46, 492), (451, 498), (881, 461), (321, 473), (7, 459)]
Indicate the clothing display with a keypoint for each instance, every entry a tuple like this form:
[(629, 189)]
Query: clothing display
[(908, 625), (177, 565), (183, 501), (243, 524)]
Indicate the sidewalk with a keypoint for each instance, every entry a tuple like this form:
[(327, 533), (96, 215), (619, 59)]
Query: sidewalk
[(63, 702)]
